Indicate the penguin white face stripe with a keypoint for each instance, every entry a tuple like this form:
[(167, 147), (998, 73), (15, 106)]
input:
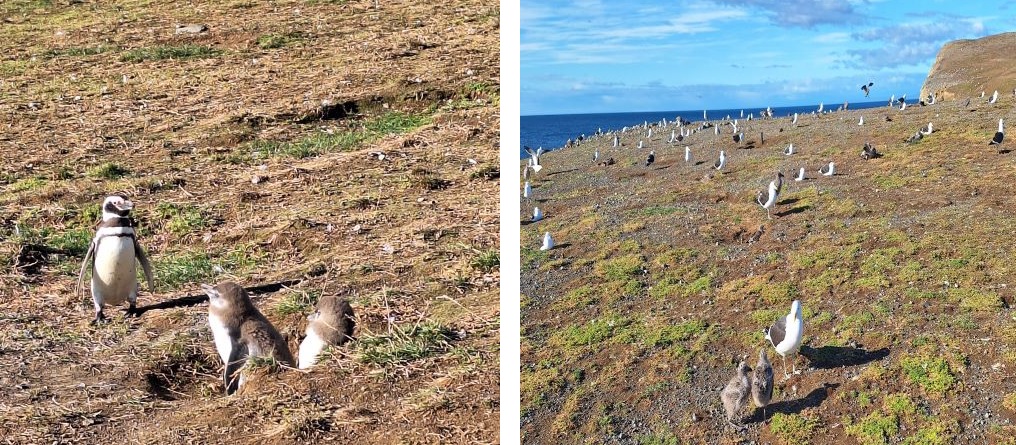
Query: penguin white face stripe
[(114, 231)]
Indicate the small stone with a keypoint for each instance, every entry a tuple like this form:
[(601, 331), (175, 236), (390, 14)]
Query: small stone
[(191, 28)]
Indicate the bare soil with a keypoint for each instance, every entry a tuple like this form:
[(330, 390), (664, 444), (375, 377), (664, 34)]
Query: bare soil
[(251, 153)]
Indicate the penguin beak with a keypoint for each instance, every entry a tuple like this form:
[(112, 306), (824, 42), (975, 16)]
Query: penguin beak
[(127, 205)]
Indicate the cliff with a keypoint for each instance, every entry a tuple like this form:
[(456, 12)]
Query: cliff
[(966, 67)]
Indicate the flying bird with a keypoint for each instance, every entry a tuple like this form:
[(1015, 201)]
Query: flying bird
[(762, 382), (785, 335), (997, 140), (867, 88), (735, 394), (534, 156), (720, 163)]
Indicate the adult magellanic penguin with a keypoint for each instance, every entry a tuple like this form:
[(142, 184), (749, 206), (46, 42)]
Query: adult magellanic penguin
[(111, 258)]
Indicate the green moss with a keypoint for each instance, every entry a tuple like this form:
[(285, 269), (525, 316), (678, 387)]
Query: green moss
[(937, 433), (875, 428), (402, 344), (591, 333), (659, 438), (27, 184), (621, 269), (180, 219), (671, 334), (931, 373), (976, 300), (793, 428), (108, 170), (899, 404)]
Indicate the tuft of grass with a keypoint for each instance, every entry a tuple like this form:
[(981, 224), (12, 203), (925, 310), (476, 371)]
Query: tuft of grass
[(27, 184), (400, 345), (659, 438), (669, 335), (298, 302), (487, 261), (108, 170), (591, 333), (173, 270), (657, 211), (169, 52), (326, 142), (793, 428), (935, 434), (1009, 402), (74, 241), (875, 428), (180, 219), (274, 41), (931, 373), (622, 269), (488, 172)]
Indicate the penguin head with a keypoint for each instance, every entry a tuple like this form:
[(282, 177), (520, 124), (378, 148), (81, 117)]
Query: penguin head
[(116, 206), (226, 294)]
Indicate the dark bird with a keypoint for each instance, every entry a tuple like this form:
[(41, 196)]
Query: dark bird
[(762, 382), (651, 158), (738, 138), (867, 88), (735, 394), (869, 152), (998, 135)]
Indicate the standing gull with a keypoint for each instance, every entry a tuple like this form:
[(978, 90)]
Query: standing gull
[(527, 191), (687, 153), (735, 394), (994, 97), (596, 155), (537, 214), (774, 194), (800, 175), (548, 243), (926, 130), (616, 141), (720, 163), (999, 135), (828, 170), (762, 382), (795, 119), (785, 335), (789, 150), (861, 121)]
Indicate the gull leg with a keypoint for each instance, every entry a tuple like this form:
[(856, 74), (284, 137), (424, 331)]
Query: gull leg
[(785, 375), (793, 363)]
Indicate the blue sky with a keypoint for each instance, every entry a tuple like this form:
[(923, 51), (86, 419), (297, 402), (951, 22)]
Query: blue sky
[(598, 56)]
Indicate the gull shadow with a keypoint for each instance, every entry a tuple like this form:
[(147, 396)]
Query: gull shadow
[(562, 171), (793, 211), (663, 168), (828, 357), (528, 222), (562, 245), (541, 201), (700, 162), (1004, 151), (788, 201), (812, 400)]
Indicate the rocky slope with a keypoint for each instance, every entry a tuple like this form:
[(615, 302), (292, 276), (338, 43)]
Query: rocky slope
[(966, 67)]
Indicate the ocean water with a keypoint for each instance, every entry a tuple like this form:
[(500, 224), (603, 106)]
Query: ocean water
[(553, 130)]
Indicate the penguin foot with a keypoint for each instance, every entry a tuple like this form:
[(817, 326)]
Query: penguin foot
[(99, 319)]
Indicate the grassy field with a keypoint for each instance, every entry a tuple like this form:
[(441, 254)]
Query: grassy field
[(250, 153), (903, 264)]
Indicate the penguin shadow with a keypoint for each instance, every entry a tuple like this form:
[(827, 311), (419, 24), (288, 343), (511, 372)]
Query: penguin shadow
[(562, 171), (793, 211), (812, 400), (829, 357)]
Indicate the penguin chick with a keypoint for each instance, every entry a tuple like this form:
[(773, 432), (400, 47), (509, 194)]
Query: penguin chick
[(111, 259), (735, 395), (241, 332), (331, 325)]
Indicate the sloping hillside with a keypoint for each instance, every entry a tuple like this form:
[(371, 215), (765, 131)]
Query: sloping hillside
[(664, 277), (965, 68), (251, 150)]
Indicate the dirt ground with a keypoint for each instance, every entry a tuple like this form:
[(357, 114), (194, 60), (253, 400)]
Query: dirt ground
[(664, 277), (351, 145)]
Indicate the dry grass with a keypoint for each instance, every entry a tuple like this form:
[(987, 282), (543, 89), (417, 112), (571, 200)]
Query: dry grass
[(247, 153)]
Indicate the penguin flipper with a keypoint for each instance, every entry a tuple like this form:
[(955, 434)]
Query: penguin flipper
[(89, 259), (237, 358), (145, 265)]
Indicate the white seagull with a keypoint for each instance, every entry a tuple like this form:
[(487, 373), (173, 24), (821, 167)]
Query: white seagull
[(534, 156), (861, 122), (596, 155), (999, 135), (785, 335), (994, 97), (640, 144), (527, 191), (616, 141), (548, 243), (687, 153), (828, 170), (820, 106), (926, 130), (720, 163), (537, 214), (800, 175), (789, 150), (774, 194), (795, 119)]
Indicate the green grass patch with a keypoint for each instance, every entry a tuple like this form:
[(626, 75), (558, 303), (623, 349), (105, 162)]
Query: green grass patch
[(931, 373), (591, 333), (173, 270), (402, 345), (76, 51), (274, 41), (108, 170), (297, 302), (27, 184), (659, 438), (976, 300), (487, 261), (935, 434), (793, 428), (671, 334), (657, 211), (169, 52), (180, 219), (73, 241), (621, 269), (875, 428)]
